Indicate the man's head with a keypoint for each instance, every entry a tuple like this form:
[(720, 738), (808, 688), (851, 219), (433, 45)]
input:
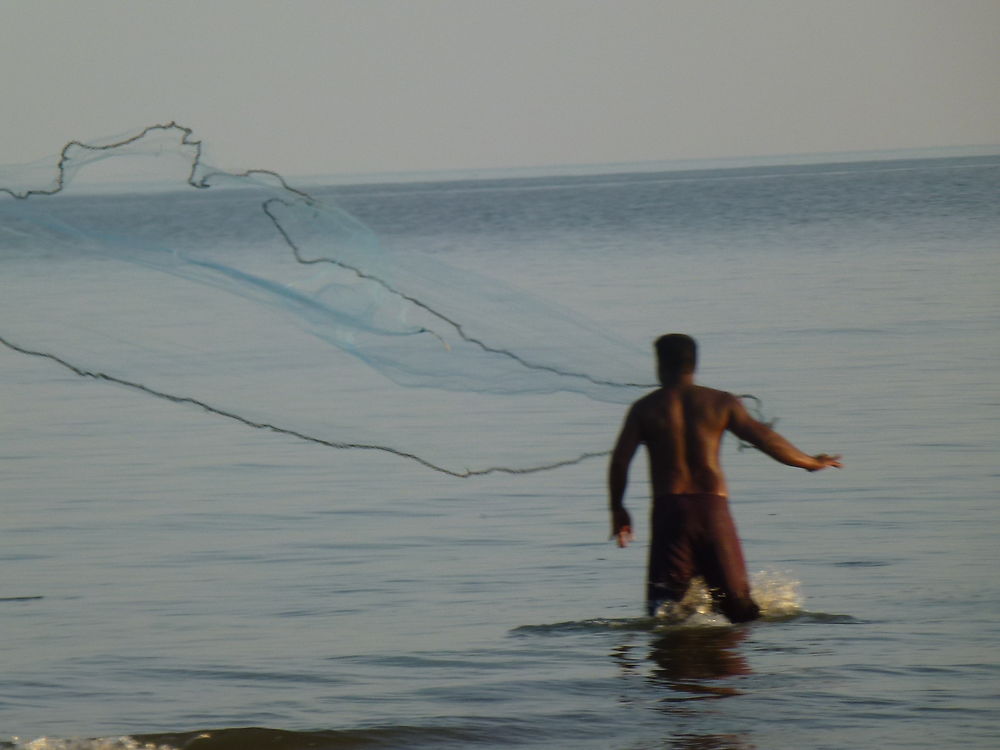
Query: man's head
[(676, 355)]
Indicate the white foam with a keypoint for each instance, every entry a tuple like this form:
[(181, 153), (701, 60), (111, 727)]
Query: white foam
[(102, 743), (777, 594)]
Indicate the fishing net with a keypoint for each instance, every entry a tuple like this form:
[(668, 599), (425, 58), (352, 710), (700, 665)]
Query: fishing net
[(134, 262)]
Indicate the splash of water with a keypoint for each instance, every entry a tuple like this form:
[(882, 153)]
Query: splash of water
[(777, 593)]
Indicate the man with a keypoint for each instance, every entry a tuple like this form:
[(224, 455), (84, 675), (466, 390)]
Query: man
[(682, 425)]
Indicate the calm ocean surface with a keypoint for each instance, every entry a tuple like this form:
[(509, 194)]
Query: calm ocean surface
[(174, 578)]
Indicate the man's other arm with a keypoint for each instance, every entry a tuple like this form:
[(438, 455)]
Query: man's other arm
[(621, 458), (770, 442)]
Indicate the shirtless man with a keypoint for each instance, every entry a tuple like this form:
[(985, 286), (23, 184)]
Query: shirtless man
[(682, 425)]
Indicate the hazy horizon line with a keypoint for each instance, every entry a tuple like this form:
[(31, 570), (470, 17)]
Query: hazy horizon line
[(687, 164), (596, 169)]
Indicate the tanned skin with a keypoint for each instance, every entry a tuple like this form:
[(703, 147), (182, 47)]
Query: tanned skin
[(682, 425)]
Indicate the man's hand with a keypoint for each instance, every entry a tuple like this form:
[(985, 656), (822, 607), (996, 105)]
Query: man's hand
[(621, 527), (823, 461)]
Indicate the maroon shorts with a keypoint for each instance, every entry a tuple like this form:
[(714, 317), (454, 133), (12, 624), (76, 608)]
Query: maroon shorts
[(695, 535)]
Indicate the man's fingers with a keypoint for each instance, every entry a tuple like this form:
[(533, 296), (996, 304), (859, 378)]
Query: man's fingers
[(826, 460), (624, 536)]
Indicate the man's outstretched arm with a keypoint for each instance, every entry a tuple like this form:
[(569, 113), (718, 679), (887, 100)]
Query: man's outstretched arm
[(773, 444), (621, 458)]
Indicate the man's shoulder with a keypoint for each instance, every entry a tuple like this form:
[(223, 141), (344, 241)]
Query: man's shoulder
[(648, 398), (703, 391), (712, 401), (642, 404), (700, 393)]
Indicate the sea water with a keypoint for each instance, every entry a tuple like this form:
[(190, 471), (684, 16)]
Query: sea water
[(170, 577)]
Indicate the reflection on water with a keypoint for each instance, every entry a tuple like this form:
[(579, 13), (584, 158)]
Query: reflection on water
[(693, 664), (690, 660), (711, 742)]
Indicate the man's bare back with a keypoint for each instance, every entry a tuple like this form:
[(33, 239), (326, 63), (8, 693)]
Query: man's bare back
[(682, 425)]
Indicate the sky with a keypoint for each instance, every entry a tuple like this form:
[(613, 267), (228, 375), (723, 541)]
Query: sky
[(309, 87)]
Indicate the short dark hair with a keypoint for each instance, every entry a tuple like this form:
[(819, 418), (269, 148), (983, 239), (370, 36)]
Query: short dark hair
[(676, 354)]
